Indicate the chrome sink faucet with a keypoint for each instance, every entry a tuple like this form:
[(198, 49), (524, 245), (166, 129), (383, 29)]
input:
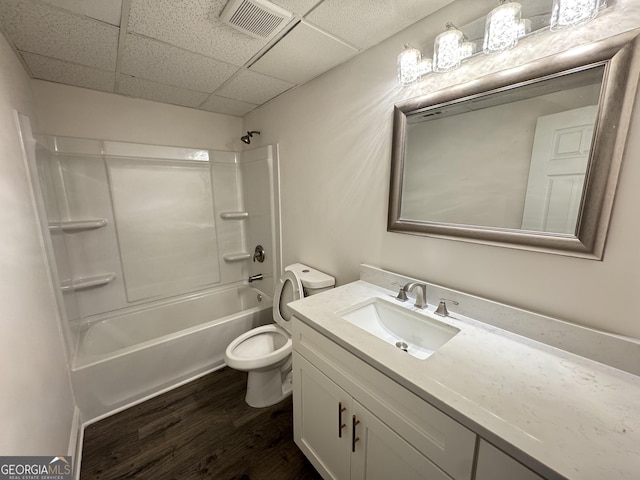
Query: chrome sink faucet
[(421, 295)]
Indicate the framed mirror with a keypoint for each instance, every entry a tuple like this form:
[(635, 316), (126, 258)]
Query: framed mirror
[(525, 158)]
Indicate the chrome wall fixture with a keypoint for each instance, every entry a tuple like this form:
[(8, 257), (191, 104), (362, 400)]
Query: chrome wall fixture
[(503, 27), (247, 138)]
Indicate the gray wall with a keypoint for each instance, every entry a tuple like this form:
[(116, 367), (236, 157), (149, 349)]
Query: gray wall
[(36, 405), (335, 142)]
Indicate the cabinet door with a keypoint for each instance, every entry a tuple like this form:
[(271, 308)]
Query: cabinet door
[(318, 406), (381, 454), (493, 464)]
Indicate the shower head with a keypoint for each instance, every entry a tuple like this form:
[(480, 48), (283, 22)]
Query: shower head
[(247, 138)]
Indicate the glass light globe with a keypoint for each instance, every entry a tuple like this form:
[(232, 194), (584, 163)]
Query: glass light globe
[(425, 67), (571, 13), (446, 50), (408, 62), (502, 27), (467, 49), (524, 27)]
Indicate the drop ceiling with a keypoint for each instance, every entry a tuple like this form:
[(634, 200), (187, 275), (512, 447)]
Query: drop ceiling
[(180, 52)]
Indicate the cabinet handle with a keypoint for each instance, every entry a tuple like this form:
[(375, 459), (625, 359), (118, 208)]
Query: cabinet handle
[(354, 439), (340, 424)]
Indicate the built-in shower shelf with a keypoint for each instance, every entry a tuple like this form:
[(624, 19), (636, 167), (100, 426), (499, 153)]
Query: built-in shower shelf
[(236, 257), (84, 283), (78, 225), (234, 215)]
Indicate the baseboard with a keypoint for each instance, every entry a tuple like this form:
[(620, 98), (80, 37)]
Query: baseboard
[(75, 442)]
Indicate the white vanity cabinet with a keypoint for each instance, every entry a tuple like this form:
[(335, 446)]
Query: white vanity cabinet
[(345, 440), (353, 422)]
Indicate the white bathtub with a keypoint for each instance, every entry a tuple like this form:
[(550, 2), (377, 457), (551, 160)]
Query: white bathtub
[(126, 358)]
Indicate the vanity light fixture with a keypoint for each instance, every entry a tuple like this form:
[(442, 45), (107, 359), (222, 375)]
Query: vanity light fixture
[(503, 27), (425, 67), (446, 49), (408, 66), (571, 13), (524, 27), (467, 49)]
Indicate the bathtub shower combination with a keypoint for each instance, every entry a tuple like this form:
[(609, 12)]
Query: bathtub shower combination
[(150, 250), (130, 357)]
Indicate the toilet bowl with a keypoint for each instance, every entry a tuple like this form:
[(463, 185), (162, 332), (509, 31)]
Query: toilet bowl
[(265, 352)]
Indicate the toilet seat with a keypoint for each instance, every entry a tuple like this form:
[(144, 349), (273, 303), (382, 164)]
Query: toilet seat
[(281, 313), (260, 347)]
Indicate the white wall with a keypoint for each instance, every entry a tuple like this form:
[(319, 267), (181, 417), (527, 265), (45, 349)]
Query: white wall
[(77, 112), (335, 142), (36, 405)]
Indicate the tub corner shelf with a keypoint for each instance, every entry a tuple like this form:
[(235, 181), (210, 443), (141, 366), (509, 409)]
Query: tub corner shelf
[(84, 283), (236, 257), (234, 215), (78, 225)]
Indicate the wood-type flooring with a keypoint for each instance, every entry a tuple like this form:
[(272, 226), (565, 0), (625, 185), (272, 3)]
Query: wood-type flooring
[(202, 430)]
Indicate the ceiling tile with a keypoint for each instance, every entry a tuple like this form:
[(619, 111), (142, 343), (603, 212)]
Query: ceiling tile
[(298, 7), (193, 25), (105, 11), (227, 106), (253, 87), (46, 68), (365, 23), (38, 28), (303, 54), (140, 88), (173, 66)]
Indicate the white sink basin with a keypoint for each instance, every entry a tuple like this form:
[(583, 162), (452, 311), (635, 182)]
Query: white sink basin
[(412, 332)]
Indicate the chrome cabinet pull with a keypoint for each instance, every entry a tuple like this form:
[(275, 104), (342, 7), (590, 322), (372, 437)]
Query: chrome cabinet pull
[(340, 424), (354, 439)]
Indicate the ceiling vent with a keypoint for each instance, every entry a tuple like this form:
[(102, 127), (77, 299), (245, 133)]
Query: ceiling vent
[(257, 18)]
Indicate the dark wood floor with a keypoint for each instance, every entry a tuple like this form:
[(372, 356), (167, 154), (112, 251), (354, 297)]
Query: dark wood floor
[(202, 430)]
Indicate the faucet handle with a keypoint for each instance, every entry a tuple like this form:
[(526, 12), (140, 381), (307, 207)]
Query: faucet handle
[(402, 295), (442, 307)]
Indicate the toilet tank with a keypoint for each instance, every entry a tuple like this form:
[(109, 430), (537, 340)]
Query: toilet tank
[(313, 281)]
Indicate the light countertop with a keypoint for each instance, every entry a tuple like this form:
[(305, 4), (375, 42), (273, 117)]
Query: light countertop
[(561, 414)]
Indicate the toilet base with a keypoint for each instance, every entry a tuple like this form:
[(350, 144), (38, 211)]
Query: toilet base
[(266, 388)]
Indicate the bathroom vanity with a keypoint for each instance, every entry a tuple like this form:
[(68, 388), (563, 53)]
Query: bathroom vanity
[(486, 405)]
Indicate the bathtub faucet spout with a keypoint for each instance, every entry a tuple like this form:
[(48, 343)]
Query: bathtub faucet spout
[(253, 278)]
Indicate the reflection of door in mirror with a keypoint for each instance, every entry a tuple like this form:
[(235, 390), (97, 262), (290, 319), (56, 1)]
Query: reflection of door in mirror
[(556, 176)]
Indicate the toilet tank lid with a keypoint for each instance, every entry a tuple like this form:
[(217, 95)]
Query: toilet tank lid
[(310, 277)]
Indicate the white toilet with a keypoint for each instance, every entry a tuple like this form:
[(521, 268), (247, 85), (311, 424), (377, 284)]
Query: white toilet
[(265, 352)]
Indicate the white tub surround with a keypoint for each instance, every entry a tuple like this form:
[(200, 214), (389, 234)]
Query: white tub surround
[(560, 414)]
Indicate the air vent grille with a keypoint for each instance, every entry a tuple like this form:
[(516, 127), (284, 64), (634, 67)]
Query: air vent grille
[(257, 18)]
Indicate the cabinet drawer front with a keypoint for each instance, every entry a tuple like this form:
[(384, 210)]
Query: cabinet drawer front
[(444, 441)]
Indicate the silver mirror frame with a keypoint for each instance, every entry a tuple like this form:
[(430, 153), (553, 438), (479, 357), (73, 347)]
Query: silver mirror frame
[(621, 57)]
